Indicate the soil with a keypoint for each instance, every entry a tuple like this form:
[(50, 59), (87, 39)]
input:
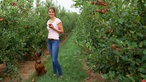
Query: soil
[(92, 77)]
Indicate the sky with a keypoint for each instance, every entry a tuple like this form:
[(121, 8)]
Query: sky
[(67, 4)]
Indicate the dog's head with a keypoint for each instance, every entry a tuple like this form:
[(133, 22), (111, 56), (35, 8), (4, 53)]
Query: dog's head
[(37, 56)]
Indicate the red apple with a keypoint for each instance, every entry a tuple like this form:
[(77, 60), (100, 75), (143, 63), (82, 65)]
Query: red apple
[(113, 46), (103, 11), (97, 10), (106, 9), (13, 4), (93, 3), (1, 19), (99, 3), (104, 4), (118, 49), (50, 25), (143, 80)]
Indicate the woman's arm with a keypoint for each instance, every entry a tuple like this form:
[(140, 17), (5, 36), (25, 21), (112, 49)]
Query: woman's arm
[(60, 28)]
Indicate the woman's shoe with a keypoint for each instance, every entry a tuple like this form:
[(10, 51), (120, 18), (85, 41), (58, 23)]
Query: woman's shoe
[(54, 75), (61, 77)]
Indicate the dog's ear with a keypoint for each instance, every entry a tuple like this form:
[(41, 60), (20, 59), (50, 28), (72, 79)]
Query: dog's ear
[(36, 57), (40, 53)]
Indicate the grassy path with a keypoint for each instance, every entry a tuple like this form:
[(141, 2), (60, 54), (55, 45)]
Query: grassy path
[(70, 62)]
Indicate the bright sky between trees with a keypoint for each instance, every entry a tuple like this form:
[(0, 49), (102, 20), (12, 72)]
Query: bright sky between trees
[(66, 4)]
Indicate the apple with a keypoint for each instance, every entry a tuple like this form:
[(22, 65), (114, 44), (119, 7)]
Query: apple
[(97, 10), (13, 4), (106, 9), (118, 49), (103, 37), (1, 19), (93, 3), (99, 3), (50, 25), (143, 80), (103, 11), (104, 4), (113, 46)]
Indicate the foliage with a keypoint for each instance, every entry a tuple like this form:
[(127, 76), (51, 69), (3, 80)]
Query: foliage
[(23, 30), (120, 25)]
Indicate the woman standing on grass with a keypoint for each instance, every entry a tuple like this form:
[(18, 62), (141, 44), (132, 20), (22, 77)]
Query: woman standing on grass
[(54, 26)]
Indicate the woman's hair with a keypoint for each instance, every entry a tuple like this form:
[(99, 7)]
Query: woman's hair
[(52, 9)]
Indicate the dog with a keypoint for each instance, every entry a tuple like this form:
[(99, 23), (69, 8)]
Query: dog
[(39, 65), (40, 68)]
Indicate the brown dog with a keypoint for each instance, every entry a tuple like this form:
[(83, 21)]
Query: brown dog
[(39, 66)]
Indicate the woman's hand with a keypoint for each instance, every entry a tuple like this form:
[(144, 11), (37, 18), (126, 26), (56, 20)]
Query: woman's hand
[(50, 25), (60, 28)]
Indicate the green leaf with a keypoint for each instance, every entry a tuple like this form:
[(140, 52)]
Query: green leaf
[(116, 52), (145, 5), (1, 79), (131, 31), (124, 13), (143, 76), (124, 79), (113, 10), (125, 58), (133, 45), (144, 43), (131, 78), (142, 70), (112, 73), (140, 34), (141, 44), (105, 76), (121, 20), (144, 52)]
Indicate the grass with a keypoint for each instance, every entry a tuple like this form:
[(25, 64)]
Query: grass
[(70, 62)]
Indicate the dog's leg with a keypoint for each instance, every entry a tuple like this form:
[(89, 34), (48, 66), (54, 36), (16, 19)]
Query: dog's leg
[(35, 78)]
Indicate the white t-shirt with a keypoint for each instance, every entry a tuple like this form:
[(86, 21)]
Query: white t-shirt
[(52, 33)]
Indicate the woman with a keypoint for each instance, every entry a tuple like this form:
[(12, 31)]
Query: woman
[(54, 26)]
